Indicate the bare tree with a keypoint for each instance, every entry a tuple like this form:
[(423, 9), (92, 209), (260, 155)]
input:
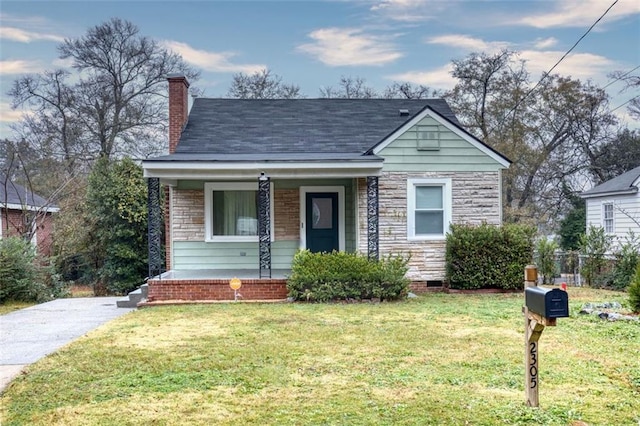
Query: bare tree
[(409, 91), (549, 134), (18, 187), (262, 84), (118, 104), (616, 156), (631, 82), (349, 88)]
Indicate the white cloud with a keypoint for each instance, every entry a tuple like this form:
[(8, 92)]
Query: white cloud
[(545, 43), (19, 67), (349, 47), (211, 61), (24, 36), (439, 78), (465, 42), (8, 114), (578, 65), (580, 13), (408, 10), (581, 66), (62, 63)]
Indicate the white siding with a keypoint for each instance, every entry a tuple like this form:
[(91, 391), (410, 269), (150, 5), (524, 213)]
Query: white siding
[(626, 209)]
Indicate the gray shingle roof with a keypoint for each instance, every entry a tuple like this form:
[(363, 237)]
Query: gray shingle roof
[(296, 126), (12, 193), (622, 184)]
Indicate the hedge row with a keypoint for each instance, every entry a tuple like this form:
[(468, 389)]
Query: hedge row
[(488, 256), (323, 277)]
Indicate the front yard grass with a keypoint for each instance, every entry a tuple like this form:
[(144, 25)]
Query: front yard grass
[(438, 359), (11, 305)]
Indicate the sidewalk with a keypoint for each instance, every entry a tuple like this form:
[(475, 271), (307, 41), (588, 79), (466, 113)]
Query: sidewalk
[(32, 333)]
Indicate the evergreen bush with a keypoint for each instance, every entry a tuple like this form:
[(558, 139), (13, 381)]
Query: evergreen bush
[(116, 220), (594, 246), (627, 259), (323, 277), (546, 259), (488, 256), (634, 292), (24, 276)]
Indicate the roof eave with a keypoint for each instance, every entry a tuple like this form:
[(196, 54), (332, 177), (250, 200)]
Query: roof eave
[(201, 170), (629, 191)]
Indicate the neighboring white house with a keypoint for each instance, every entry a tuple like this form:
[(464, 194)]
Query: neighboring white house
[(615, 205)]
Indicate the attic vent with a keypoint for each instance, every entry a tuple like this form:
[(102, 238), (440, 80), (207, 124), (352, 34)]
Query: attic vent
[(403, 112)]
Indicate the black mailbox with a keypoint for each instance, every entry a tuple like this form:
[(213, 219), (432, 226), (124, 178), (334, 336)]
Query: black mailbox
[(550, 303)]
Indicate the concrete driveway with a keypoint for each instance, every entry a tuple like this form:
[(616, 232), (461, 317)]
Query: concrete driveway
[(32, 333)]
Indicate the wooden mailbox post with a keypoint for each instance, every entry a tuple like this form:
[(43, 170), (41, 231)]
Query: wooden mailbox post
[(542, 308)]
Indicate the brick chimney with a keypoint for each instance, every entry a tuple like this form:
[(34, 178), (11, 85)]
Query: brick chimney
[(178, 108)]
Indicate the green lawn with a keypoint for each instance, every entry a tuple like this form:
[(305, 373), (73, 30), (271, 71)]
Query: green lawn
[(437, 359)]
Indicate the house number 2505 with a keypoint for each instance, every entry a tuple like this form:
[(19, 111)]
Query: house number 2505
[(533, 362)]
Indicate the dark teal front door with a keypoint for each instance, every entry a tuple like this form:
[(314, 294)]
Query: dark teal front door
[(322, 221)]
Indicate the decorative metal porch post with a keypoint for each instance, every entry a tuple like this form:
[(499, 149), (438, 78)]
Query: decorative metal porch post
[(372, 217), (264, 225), (154, 224)]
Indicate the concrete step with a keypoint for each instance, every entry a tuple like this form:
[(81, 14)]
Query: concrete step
[(135, 297)]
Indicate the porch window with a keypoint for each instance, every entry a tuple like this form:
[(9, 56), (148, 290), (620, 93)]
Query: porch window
[(607, 218), (428, 208), (231, 211)]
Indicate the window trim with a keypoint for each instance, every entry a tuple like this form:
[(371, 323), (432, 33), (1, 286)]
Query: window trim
[(209, 187), (612, 219), (447, 202)]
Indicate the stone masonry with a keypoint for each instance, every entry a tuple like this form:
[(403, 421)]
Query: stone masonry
[(476, 199), (188, 214)]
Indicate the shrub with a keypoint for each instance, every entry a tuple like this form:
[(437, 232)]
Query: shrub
[(594, 245), (627, 260), (546, 260), (324, 277), (117, 225), (634, 291), (488, 256), (24, 276)]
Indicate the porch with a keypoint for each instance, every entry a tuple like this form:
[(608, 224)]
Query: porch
[(288, 216)]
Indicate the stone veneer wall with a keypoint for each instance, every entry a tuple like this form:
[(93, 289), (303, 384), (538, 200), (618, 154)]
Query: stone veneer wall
[(476, 199), (287, 214), (188, 214)]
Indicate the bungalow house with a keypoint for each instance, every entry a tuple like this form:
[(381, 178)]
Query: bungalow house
[(615, 205), (24, 213), (250, 182)]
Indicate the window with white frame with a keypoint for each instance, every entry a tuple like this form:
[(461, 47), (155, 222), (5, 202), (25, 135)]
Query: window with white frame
[(231, 211), (428, 208), (428, 138), (607, 218)]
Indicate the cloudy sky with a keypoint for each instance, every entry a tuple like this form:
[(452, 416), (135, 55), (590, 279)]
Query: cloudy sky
[(314, 43)]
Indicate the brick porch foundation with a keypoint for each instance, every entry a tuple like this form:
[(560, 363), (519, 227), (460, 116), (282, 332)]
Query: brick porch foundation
[(215, 289)]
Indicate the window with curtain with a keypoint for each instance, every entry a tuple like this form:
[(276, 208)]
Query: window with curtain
[(235, 213), (231, 211), (428, 208)]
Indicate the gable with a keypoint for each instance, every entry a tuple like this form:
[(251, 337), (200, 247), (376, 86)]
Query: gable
[(455, 150)]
